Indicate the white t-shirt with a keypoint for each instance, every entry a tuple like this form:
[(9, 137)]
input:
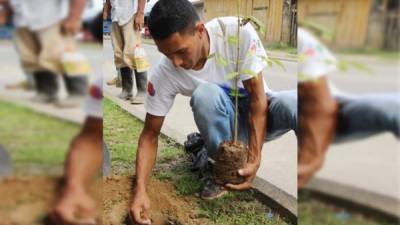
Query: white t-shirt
[(38, 14), (315, 60), (166, 81), (123, 10), (93, 106)]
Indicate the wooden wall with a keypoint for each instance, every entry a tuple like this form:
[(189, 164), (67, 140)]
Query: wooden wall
[(270, 12), (348, 20)]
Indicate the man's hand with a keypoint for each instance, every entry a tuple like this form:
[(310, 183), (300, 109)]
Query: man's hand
[(140, 210), (4, 12), (71, 25), (139, 21), (307, 170), (106, 10), (74, 207), (249, 173)]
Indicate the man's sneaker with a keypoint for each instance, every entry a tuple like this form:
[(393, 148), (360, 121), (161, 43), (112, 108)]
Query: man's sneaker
[(211, 190)]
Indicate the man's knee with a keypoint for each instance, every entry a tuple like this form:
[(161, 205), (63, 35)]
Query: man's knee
[(205, 95)]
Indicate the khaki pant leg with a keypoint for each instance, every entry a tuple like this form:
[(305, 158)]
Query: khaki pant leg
[(52, 46), (131, 39), (28, 48), (118, 45)]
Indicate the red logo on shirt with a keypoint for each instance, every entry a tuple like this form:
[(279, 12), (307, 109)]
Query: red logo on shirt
[(150, 89), (95, 92), (309, 52)]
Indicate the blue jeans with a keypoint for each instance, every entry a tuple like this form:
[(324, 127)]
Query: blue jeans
[(213, 111), (362, 116)]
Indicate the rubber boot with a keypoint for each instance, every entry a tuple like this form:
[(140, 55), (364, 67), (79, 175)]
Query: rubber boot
[(141, 85), (127, 83), (46, 85), (77, 88)]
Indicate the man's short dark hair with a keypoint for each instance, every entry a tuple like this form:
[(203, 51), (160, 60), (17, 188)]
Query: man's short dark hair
[(170, 16)]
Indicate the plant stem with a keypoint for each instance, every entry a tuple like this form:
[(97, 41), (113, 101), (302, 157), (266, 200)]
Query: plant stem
[(235, 131)]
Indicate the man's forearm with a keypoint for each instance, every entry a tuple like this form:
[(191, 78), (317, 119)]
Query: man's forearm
[(76, 8), (106, 9), (257, 125), (145, 159), (85, 155), (140, 8), (317, 118)]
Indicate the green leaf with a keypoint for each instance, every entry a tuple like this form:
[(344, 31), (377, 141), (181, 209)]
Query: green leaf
[(279, 63), (248, 72), (318, 30), (271, 62), (234, 92), (362, 67), (342, 66), (221, 60), (231, 75), (233, 40), (211, 56), (258, 25)]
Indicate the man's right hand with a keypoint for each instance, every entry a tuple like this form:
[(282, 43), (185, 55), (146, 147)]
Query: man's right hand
[(74, 207), (140, 209), (4, 13)]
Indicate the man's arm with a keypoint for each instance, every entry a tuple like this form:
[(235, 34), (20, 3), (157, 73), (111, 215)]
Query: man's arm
[(257, 128), (139, 16), (145, 160), (83, 163), (72, 23), (317, 126), (5, 11), (106, 9)]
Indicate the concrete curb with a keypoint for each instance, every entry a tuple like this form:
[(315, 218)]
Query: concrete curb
[(75, 115), (282, 198), (364, 198)]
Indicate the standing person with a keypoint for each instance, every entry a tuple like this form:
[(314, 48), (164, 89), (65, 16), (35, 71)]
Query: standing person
[(44, 30), (327, 115), (127, 20), (186, 68)]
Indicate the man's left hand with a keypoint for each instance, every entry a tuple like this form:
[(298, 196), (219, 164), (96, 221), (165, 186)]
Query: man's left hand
[(139, 21), (249, 173), (71, 25)]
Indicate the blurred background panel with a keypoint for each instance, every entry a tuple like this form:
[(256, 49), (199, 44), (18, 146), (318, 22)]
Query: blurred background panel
[(358, 177)]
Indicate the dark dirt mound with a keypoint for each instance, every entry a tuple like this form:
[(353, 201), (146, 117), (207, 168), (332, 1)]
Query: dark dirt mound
[(231, 157)]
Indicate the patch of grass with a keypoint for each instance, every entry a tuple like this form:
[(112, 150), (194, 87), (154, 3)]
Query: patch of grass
[(314, 212), (32, 138), (281, 47), (121, 134), (238, 208), (379, 53), (172, 166)]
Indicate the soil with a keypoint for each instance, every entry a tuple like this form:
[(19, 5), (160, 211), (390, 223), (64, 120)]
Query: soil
[(231, 157), (29, 200), (166, 207)]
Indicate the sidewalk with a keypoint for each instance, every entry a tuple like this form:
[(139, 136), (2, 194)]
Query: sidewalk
[(11, 73)]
